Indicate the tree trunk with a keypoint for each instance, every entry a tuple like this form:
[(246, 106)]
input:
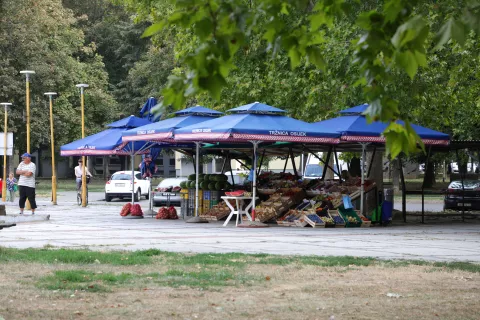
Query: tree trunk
[(430, 175)]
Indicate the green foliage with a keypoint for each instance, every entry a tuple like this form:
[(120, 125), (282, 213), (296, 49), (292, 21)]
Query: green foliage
[(43, 36), (340, 53)]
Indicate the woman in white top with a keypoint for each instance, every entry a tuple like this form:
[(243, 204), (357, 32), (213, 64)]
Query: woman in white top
[(79, 172)]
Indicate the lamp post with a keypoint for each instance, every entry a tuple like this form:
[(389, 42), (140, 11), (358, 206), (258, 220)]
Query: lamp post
[(27, 74), (54, 177), (82, 87), (4, 185)]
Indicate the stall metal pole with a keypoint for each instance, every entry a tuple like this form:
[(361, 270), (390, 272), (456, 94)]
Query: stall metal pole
[(362, 187), (404, 190), (293, 162), (339, 173), (261, 162), (423, 184), (133, 174), (463, 185), (197, 170), (319, 159), (371, 162), (254, 188), (286, 162)]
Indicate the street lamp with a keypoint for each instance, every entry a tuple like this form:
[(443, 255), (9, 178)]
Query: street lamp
[(54, 178), (82, 87), (27, 74), (4, 185)]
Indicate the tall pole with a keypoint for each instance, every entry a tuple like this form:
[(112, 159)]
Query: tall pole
[(4, 185), (27, 74), (82, 86), (52, 141)]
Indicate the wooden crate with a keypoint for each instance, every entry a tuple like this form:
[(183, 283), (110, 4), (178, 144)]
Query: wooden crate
[(365, 223), (334, 213), (355, 195), (337, 202), (301, 222), (313, 223)]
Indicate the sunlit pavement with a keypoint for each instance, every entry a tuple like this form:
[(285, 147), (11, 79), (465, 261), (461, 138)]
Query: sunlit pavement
[(100, 227)]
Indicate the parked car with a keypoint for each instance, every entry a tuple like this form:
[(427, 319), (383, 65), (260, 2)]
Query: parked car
[(168, 190), (120, 186), (470, 200)]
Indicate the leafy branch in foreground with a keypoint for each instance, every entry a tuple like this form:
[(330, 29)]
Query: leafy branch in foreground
[(395, 37)]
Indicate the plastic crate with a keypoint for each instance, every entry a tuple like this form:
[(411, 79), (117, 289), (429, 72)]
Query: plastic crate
[(352, 215), (206, 195)]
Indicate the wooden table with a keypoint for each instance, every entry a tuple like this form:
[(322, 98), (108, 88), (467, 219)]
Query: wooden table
[(238, 210)]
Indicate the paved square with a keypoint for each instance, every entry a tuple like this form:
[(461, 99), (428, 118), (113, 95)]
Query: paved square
[(100, 227)]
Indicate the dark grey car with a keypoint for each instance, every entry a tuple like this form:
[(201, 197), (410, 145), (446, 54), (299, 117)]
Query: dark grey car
[(168, 192), (454, 199)]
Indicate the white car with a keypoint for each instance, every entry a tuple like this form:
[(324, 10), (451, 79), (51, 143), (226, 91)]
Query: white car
[(120, 186)]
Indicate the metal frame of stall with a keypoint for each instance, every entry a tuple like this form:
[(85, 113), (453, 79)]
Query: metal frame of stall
[(455, 145)]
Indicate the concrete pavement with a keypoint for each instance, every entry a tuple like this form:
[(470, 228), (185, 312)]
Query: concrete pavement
[(100, 227)]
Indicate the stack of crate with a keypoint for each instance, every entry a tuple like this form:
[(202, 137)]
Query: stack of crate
[(191, 201)]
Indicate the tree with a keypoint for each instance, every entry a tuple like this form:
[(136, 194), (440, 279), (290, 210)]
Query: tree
[(395, 41), (41, 36)]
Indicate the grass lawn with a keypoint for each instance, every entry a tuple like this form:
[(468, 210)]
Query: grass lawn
[(152, 284)]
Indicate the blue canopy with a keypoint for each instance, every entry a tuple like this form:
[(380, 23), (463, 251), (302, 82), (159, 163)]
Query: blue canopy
[(163, 130), (146, 111), (256, 121), (353, 126), (107, 142)]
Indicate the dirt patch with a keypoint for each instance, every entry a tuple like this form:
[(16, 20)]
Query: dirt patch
[(293, 291)]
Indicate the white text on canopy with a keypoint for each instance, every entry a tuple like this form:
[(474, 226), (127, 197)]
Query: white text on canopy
[(288, 133)]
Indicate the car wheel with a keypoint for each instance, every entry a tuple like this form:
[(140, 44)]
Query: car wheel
[(108, 198), (137, 195)]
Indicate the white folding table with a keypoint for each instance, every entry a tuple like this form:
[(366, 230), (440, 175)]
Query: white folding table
[(238, 210)]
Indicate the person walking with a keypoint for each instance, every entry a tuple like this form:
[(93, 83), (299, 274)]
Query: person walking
[(26, 183), (11, 187)]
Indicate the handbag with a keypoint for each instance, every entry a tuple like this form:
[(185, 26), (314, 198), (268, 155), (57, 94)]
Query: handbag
[(15, 188)]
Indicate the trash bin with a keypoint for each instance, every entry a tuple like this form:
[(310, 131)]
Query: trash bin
[(387, 206)]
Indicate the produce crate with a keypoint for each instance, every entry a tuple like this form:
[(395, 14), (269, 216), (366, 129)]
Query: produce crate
[(216, 195), (355, 195), (206, 195), (365, 222), (214, 203), (306, 204), (266, 191), (288, 220), (314, 222), (352, 220), (337, 202), (325, 216), (301, 222), (313, 193), (206, 205), (337, 217), (262, 215), (217, 217)]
